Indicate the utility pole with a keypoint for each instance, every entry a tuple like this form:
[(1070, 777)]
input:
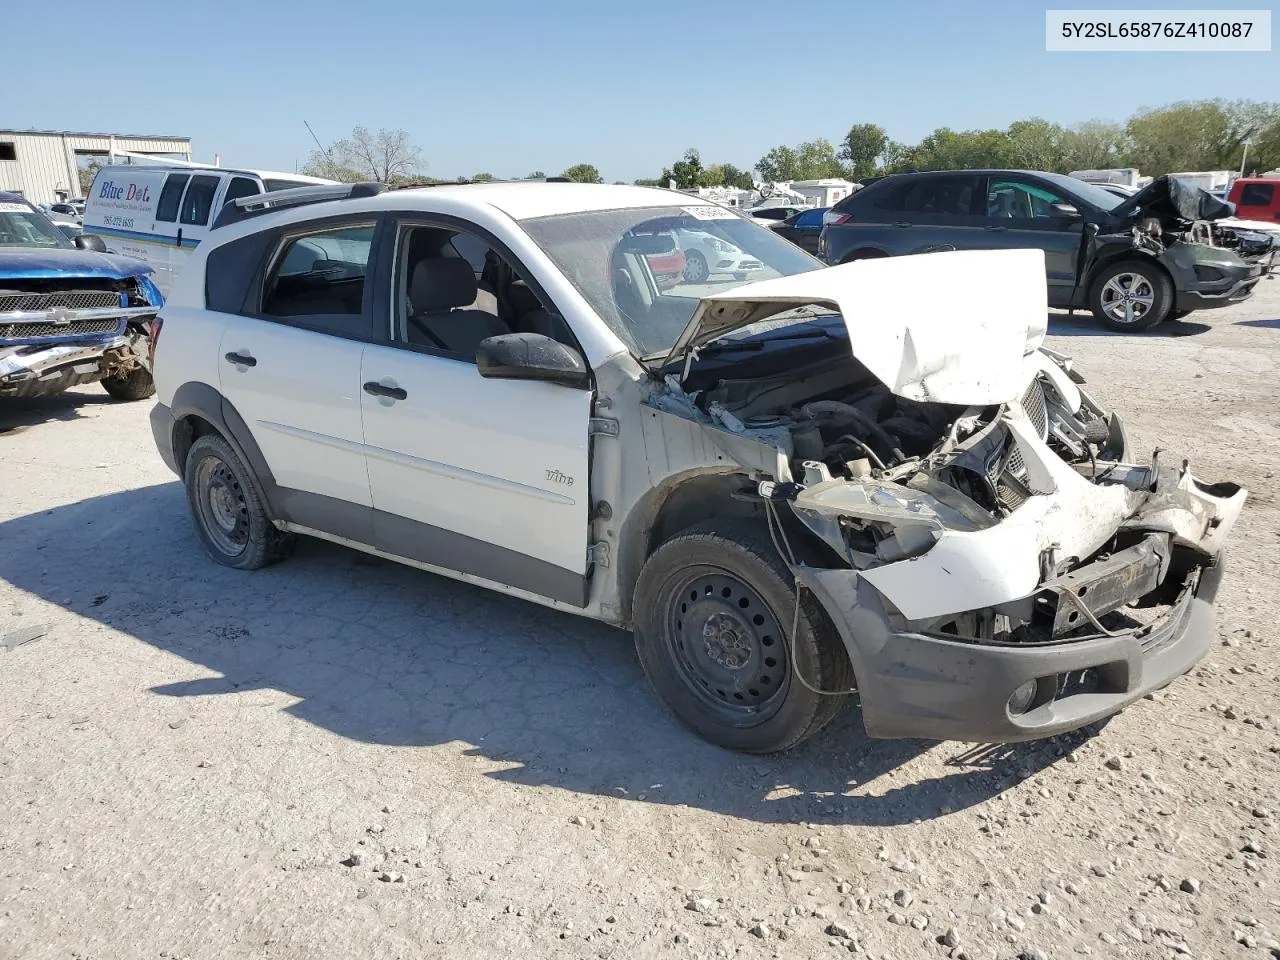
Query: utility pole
[(1244, 155)]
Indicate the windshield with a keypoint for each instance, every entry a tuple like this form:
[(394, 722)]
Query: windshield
[(645, 269), (20, 226), (1101, 198)]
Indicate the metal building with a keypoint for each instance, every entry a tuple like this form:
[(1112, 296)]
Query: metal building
[(44, 165)]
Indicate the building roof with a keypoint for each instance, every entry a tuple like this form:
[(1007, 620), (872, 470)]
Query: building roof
[(100, 136)]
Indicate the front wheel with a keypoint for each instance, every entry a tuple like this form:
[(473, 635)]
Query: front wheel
[(136, 384), (695, 267), (714, 614), (1131, 296)]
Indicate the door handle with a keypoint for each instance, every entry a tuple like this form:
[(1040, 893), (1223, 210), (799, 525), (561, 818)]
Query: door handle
[(242, 359), (380, 390), (902, 223), (998, 229)]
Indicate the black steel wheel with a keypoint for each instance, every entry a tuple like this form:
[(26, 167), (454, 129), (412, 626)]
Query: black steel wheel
[(228, 509), (713, 610)]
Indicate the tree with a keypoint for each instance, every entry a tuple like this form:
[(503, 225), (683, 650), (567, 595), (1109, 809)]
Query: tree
[(583, 173), (778, 164), (1092, 145), (947, 149), (687, 172), (862, 147), (483, 177), (642, 182), (87, 173), (1035, 144), (1201, 135), (733, 177), (811, 160), (536, 175), (387, 156)]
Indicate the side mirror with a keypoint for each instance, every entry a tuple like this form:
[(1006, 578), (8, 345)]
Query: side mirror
[(1064, 210), (531, 356), (90, 241)]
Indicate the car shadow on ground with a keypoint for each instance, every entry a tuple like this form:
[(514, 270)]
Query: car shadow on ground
[(1267, 324), (19, 414), (1084, 325), (385, 654)]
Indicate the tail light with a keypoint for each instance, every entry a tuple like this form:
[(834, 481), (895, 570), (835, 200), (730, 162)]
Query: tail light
[(153, 338), (830, 217)]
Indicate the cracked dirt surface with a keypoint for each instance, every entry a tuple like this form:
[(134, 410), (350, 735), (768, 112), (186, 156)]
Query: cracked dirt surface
[(341, 757)]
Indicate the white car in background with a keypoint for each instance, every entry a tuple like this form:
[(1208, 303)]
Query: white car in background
[(706, 255)]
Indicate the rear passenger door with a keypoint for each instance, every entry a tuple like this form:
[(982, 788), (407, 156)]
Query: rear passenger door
[(486, 477), (289, 362), (940, 212)]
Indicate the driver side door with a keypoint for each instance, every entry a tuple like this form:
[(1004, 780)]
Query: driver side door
[(485, 477)]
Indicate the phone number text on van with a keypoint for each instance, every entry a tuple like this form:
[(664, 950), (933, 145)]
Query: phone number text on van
[(117, 221)]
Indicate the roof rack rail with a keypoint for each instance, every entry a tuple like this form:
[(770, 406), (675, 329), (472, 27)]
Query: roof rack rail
[(245, 207)]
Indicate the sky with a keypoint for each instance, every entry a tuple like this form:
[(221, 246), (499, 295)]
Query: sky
[(509, 88)]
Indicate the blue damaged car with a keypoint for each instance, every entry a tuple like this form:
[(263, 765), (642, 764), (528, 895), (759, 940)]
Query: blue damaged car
[(70, 313)]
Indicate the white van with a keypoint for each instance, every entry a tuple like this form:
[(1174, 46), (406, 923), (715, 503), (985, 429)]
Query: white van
[(159, 213)]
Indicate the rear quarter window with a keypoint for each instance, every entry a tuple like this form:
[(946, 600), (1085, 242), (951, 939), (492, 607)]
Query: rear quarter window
[(229, 273)]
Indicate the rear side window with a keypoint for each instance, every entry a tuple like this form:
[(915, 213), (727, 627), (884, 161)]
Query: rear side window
[(171, 197), (321, 274), (1257, 194), (240, 187), (198, 200), (941, 196), (810, 218), (230, 270)]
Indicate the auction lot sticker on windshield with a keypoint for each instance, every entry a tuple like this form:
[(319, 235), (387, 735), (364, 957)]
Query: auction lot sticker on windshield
[(1167, 31), (709, 212), (11, 207)]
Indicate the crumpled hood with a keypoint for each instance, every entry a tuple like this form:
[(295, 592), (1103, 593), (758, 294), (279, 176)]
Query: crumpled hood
[(26, 263), (953, 327), (1169, 198)]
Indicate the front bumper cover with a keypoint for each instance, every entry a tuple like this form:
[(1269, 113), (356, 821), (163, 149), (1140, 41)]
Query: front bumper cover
[(916, 685)]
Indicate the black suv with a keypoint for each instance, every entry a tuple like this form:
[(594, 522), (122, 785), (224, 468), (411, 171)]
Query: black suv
[(1134, 262)]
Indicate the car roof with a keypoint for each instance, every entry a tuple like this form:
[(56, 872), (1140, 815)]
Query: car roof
[(8, 197), (525, 200)]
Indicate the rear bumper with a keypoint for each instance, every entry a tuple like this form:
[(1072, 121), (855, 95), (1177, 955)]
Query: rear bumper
[(162, 433), (914, 685)]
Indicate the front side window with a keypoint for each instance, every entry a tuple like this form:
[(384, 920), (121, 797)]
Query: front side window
[(453, 289), (1017, 200), (644, 270), (198, 200), (321, 274)]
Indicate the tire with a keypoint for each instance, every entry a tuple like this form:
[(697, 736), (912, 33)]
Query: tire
[(695, 267), (227, 508), (714, 606), (137, 384), (1150, 287)]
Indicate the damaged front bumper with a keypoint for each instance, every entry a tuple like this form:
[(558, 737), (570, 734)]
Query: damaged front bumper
[(45, 352), (921, 635), (920, 685)]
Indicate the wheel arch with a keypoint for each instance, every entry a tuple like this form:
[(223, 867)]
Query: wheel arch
[(1123, 256), (864, 253), (199, 409)]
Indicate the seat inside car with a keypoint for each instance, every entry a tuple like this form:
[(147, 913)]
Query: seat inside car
[(442, 291), (530, 316)]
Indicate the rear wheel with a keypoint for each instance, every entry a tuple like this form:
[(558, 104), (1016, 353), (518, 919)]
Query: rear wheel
[(228, 509), (1131, 296), (714, 612), (864, 255)]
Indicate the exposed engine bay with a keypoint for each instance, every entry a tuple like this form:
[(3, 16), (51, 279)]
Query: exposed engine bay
[(860, 429)]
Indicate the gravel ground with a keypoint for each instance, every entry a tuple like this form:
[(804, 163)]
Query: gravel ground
[(341, 757)]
